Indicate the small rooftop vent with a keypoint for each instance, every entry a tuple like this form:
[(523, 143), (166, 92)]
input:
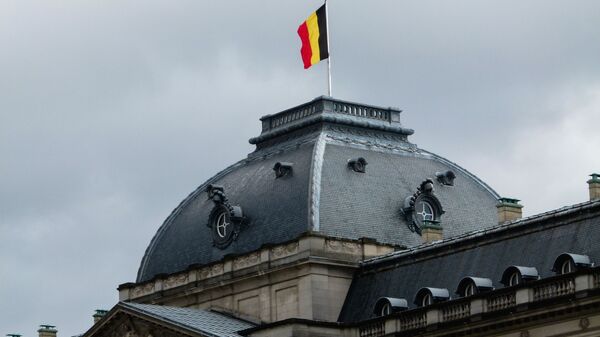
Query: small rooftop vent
[(427, 296), (388, 305), (567, 262), (358, 164), (514, 275), (469, 286), (282, 169), (446, 178)]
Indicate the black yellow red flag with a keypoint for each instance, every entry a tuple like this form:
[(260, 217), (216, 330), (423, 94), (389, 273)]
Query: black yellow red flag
[(313, 34)]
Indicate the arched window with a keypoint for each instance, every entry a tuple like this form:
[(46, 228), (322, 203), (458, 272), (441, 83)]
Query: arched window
[(567, 267), (427, 300), (568, 262), (386, 309), (514, 279), (470, 290)]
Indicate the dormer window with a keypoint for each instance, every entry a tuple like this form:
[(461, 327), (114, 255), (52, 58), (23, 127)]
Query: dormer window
[(425, 211), (389, 305), (515, 275), (567, 263), (428, 296), (470, 286), (422, 208)]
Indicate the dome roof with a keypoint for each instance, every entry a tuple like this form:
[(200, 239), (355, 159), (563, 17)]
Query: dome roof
[(328, 166)]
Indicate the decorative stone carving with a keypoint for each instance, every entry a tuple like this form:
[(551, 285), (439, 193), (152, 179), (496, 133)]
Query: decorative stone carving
[(225, 220), (422, 208), (246, 260), (143, 290), (210, 271), (342, 246), (280, 251), (584, 323), (175, 280), (217, 269)]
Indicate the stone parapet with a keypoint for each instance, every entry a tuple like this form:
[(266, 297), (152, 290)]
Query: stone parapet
[(308, 277), (499, 312)]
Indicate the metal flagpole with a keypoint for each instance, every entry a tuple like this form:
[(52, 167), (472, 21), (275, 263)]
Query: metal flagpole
[(329, 50)]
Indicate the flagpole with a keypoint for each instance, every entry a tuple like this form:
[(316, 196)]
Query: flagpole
[(329, 50)]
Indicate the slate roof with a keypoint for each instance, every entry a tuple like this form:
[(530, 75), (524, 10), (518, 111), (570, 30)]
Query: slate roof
[(322, 194), (532, 242), (206, 322)]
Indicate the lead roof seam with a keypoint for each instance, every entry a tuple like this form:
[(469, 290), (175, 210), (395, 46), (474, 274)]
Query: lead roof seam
[(315, 177)]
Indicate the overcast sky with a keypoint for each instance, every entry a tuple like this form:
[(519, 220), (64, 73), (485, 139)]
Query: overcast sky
[(111, 112)]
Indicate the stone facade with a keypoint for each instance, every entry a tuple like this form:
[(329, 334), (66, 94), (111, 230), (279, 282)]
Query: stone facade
[(567, 305), (307, 278)]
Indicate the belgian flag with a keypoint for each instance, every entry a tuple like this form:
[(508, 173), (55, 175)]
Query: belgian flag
[(313, 34)]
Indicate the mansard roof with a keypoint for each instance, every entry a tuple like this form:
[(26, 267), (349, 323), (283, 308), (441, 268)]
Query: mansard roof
[(533, 242), (323, 190)]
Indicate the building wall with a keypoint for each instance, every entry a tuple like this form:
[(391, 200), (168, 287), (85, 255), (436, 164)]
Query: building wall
[(307, 278)]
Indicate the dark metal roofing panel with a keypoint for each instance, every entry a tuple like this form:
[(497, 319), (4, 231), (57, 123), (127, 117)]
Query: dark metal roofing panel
[(206, 322), (277, 210), (322, 194), (368, 204), (533, 244)]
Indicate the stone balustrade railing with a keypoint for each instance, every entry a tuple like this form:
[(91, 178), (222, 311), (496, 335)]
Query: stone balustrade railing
[(376, 329), (456, 311), (501, 299), (412, 321), (553, 289), (332, 106)]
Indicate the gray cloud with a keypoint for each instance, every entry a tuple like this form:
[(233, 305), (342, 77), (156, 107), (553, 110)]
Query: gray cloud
[(112, 112)]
